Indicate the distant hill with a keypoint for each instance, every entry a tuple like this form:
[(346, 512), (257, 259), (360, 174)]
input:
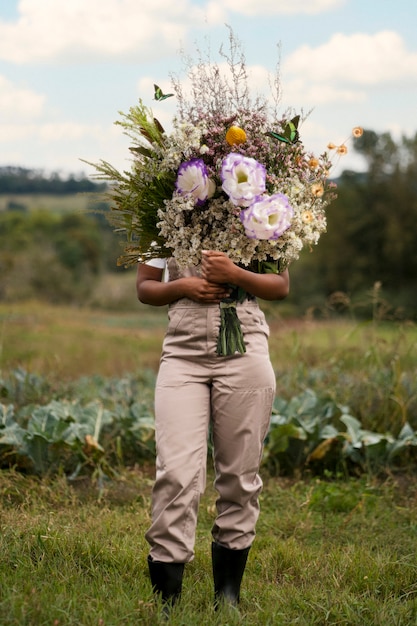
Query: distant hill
[(20, 180)]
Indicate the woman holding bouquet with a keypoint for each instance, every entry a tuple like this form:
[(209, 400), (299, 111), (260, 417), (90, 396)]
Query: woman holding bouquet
[(199, 386), (229, 197)]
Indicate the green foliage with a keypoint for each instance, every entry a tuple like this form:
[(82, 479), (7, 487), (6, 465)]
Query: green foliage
[(55, 257), (371, 235), (314, 433), (135, 201), (21, 180), (99, 425), (326, 552), (77, 433)]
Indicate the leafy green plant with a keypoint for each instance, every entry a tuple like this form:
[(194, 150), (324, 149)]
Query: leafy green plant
[(315, 433), (76, 436), (106, 423)]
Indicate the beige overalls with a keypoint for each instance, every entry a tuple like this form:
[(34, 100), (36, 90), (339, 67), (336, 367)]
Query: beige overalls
[(195, 388)]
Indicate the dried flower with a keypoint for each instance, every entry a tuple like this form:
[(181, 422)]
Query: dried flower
[(235, 136), (317, 189), (342, 149), (357, 131), (190, 189)]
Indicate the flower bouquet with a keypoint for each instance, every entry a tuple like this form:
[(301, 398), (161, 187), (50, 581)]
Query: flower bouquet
[(231, 175)]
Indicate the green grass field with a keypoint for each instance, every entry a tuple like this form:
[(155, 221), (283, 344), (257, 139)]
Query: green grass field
[(326, 552), (329, 550), (65, 203), (368, 365)]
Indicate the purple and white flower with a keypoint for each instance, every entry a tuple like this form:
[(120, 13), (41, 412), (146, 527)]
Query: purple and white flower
[(192, 179), (268, 217), (243, 179)]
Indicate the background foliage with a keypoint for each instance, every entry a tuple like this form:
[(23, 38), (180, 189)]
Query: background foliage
[(57, 247), (56, 244), (76, 393)]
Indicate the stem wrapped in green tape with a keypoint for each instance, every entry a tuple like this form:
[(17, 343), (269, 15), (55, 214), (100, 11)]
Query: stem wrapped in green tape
[(230, 339)]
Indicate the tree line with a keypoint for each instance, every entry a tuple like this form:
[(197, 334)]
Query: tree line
[(20, 180), (371, 237)]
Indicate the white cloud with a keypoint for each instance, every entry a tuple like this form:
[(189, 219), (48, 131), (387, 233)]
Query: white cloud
[(300, 91), (62, 145), (358, 59), (50, 132), (18, 101), (281, 7), (60, 30)]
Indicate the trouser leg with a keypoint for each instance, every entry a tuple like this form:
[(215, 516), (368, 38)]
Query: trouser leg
[(241, 413), (182, 417), (240, 424)]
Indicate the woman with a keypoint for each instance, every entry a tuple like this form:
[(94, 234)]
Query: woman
[(195, 388)]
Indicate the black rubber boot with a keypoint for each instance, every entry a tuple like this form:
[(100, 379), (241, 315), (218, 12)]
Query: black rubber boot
[(166, 579), (228, 568)]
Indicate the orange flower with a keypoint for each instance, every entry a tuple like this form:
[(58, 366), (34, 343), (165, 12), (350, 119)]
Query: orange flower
[(331, 146), (357, 131), (313, 163), (317, 190), (342, 149), (307, 217), (235, 136)]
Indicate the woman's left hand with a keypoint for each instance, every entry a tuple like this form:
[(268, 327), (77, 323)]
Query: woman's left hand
[(216, 267)]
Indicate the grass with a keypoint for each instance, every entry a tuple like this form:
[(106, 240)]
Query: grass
[(65, 342), (60, 203), (328, 550), (325, 553), (368, 366)]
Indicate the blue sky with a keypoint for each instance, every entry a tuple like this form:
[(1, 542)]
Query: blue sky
[(68, 67)]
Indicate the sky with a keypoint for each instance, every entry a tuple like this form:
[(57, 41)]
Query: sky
[(68, 67)]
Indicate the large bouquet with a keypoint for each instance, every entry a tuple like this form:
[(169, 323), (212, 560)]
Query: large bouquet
[(231, 175)]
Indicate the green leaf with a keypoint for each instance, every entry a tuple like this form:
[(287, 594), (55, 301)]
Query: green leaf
[(353, 429)]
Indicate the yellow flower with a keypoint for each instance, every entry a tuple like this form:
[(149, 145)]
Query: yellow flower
[(307, 217), (357, 131), (331, 146), (235, 135), (317, 190), (342, 149), (313, 163)]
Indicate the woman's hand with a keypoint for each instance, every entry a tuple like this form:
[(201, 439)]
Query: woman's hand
[(217, 267), (204, 291), (218, 272), (152, 290)]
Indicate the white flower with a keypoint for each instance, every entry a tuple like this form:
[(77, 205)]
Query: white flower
[(267, 218), (243, 179), (192, 179)]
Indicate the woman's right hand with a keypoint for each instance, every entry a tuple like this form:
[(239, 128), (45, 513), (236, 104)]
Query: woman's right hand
[(152, 290)]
